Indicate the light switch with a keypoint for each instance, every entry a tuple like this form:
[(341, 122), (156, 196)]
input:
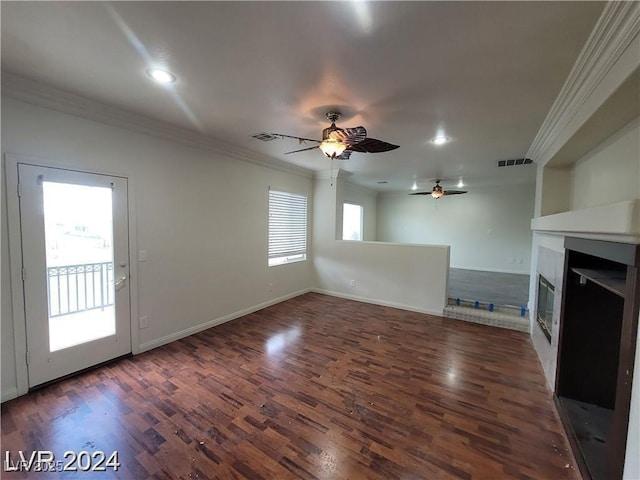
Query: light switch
[(142, 256)]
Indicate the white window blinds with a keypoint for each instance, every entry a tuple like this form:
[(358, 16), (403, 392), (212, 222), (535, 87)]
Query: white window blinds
[(287, 227)]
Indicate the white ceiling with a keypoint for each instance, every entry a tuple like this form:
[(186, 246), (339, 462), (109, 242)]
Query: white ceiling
[(486, 73)]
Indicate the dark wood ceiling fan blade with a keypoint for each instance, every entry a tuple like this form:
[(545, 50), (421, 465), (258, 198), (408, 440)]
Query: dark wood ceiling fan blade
[(354, 135), (373, 145), (454, 192), (302, 149), (301, 139), (420, 193)]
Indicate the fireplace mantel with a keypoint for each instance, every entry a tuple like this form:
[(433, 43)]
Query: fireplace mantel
[(618, 222)]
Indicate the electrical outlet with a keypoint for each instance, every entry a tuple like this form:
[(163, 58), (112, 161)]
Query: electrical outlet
[(353, 283), (143, 322)]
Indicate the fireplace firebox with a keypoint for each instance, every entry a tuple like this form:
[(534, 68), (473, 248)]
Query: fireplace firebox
[(596, 350)]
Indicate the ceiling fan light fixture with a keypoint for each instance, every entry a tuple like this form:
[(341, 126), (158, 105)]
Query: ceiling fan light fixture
[(437, 191), (332, 148)]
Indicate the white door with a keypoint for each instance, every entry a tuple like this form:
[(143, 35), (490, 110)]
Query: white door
[(76, 269)]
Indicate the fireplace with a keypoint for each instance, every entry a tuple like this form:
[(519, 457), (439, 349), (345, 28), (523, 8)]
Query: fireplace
[(544, 308), (596, 347)]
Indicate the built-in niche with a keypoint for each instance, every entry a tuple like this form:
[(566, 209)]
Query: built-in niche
[(596, 350)]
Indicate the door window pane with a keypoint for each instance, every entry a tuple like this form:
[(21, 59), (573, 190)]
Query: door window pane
[(79, 254)]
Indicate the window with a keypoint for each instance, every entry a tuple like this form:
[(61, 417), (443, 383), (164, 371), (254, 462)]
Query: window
[(351, 221), (287, 227)]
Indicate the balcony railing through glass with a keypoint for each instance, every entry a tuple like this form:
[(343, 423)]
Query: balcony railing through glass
[(79, 288)]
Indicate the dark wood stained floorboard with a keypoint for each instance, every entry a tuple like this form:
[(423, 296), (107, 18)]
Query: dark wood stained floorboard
[(313, 388)]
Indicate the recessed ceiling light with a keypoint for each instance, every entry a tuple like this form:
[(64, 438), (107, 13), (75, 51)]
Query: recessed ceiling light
[(161, 76), (414, 186), (460, 183), (440, 140)]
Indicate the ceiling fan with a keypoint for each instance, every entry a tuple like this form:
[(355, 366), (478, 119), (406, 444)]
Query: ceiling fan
[(338, 143), (438, 192)]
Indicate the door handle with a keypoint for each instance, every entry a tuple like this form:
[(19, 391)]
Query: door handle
[(120, 283)]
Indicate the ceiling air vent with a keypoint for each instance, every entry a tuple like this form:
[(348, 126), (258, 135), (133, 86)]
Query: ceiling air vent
[(265, 137), (514, 162)]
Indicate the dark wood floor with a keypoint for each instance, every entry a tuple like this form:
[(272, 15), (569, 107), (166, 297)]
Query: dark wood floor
[(315, 387)]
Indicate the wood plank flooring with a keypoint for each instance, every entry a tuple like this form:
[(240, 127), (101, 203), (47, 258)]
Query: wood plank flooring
[(315, 387)]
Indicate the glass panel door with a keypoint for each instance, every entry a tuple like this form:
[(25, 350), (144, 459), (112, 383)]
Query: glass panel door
[(79, 255), (76, 265)]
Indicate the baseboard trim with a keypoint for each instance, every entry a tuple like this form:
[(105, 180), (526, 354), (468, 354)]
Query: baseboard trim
[(375, 301), (217, 321), (9, 394)]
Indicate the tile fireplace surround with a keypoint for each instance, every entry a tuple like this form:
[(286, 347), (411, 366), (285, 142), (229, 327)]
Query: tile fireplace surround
[(550, 265)]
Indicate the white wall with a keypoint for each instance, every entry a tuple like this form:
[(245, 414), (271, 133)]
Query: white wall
[(487, 229), (201, 217), (413, 277), (610, 173), (368, 199)]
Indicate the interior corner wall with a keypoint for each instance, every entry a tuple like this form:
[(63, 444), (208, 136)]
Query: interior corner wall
[(202, 217), (374, 272), (610, 172), (368, 200), (487, 228)]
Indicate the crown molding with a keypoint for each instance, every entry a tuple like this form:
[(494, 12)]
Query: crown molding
[(44, 95), (362, 189), (616, 29), (327, 174)]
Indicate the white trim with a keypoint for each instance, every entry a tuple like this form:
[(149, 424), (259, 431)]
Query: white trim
[(11, 162), (43, 95), (133, 266), (607, 237), (374, 301), (9, 394), (616, 29), (620, 220), (217, 321), (15, 264)]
